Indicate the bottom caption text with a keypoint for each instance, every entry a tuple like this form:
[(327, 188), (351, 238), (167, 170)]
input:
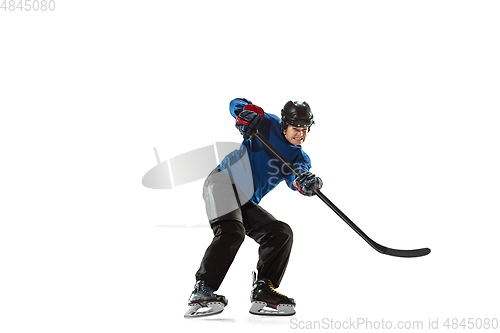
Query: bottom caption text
[(383, 324)]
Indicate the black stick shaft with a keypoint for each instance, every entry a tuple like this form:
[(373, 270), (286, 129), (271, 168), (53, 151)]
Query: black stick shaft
[(330, 204), (372, 243)]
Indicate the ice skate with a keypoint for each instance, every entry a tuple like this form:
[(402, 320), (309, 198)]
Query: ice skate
[(203, 302), (267, 301)]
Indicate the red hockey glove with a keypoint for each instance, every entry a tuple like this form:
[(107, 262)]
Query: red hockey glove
[(248, 120)]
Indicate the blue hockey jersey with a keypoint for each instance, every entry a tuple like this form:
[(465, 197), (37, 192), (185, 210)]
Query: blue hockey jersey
[(264, 169)]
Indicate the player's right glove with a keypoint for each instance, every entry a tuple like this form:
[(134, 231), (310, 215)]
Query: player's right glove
[(307, 183), (248, 120)]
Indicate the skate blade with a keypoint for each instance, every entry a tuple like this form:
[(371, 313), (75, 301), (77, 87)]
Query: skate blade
[(261, 308), (198, 310)]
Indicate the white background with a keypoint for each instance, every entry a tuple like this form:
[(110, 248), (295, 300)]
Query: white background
[(405, 98)]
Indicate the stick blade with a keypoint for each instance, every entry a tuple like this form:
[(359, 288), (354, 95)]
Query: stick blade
[(407, 253)]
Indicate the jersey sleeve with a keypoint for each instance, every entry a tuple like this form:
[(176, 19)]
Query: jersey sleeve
[(303, 165), (237, 105)]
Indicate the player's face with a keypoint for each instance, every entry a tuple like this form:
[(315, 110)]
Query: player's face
[(296, 135)]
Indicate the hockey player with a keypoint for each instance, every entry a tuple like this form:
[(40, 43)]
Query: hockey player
[(232, 193)]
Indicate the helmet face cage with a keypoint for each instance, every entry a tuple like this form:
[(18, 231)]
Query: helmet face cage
[(297, 114)]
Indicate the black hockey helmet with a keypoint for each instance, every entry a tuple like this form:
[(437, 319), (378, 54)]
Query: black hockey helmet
[(296, 114)]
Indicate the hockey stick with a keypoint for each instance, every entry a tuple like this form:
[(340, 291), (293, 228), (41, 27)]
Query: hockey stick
[(380, 248)]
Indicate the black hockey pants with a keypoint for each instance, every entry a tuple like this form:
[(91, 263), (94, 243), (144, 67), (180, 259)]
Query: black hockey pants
[(274, 237)]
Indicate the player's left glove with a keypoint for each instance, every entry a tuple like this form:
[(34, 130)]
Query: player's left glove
[(307, 183), (248, 120)]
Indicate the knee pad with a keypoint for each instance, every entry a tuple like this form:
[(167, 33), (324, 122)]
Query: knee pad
[(284, 228), (230, 231)]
